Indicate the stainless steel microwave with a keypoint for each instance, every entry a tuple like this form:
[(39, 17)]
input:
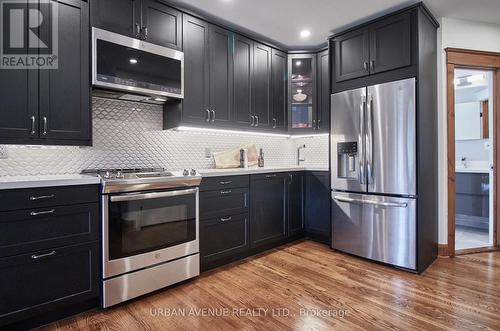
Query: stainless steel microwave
[(134, 69)]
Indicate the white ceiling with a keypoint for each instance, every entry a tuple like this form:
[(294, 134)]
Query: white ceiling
[(280, 21)]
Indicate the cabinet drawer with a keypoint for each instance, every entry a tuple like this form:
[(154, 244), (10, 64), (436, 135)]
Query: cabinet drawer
[(23, 231), (220, 183), (36, 282), (222, 237), (223, 202), (48, 196)]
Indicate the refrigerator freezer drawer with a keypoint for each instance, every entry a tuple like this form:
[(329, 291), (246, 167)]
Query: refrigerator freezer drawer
[(375, 227)]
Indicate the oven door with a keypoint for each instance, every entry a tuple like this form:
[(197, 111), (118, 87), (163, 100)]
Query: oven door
[(132, 65), (144, 229)]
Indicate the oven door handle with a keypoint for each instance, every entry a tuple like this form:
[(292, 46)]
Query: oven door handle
[(152, 195)]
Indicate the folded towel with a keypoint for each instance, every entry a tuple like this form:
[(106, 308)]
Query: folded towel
[(231, 158)]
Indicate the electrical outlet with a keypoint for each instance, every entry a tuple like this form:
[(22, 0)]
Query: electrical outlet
[(208, 153), (4, 152), (486, 145)]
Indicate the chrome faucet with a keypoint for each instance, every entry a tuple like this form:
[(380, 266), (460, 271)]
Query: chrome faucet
[(299, 159)]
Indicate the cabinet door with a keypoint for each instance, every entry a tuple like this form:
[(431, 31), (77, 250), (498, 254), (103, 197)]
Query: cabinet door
[(390, 43), (65, 92), (267, 208), (242, 80), (323, 104), (36, 282), (162, 25), (223, 202), (220, 49), (119, 16), (261, 107), (222, 237), (302, 92), (295, 203), (18, 104), (352, 55), (196, 94), (279, 88), (317, 203)]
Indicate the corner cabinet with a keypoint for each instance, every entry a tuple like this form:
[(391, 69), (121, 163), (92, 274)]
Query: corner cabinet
[(51, 106)]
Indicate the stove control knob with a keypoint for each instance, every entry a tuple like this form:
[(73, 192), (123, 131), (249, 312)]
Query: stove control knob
[(107, 175), (192, 172), (119, 174), (185, 172)]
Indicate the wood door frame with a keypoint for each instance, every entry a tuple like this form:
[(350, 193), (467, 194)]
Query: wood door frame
[(471, 59)]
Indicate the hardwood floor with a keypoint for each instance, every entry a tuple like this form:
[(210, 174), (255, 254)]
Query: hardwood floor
[(306, 285)]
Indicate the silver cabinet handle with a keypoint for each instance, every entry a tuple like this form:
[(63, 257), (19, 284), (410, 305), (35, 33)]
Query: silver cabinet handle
[(365, 65), (270, 176), (314, 124), (145, 29), (226, 219), (369, 139), (274, 123), (213, 116), (208, 115), (32, 118), (319, 125), (226, 182), (45, 212), (226, 192), (290, 177), (39, 256), (372, 65), (252, 120), (256, 120), (137, 30), (371, 202), (44, 126), (361, 141), (42, 197)]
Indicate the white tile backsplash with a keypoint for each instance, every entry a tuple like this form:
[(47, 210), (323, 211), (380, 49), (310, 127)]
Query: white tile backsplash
[(128, 134)]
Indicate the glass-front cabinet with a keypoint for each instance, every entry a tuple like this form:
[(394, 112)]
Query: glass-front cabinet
[(302, 92)]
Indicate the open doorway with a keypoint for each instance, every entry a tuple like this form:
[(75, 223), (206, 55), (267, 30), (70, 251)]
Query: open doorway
[(473, 121), (473, 158)]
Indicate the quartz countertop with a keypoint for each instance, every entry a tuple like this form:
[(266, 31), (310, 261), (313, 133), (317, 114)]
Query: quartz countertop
[(17, 182), (254, 170)]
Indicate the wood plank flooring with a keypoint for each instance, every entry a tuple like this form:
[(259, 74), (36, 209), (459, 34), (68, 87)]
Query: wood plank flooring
[(307, 286)]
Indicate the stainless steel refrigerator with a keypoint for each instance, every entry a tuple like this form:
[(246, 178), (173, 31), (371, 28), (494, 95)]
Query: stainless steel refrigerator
[(374, 172)]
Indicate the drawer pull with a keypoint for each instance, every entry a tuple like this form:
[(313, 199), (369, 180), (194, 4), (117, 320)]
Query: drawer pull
[(226, 182), (36, 257), (42, 197), (270, 176), (226, 219), (45, 212), (226, 192)]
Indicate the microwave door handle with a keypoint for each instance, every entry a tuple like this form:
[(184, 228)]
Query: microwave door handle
[(153, 195)]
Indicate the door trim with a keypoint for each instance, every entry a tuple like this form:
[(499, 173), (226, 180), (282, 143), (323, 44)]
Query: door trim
[(471, 59)]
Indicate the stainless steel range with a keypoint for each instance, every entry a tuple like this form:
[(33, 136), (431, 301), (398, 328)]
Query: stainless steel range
[(150, 230)]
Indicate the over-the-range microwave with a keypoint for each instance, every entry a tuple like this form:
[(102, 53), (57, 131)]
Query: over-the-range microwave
[(132, 69)]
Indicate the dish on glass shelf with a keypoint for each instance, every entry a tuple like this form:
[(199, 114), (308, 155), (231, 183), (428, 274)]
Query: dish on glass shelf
[(299, 97)]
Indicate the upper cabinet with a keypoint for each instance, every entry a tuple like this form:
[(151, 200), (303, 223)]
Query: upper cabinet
[(302, 92), (149, 20), (242, 80), (323, 79), (378, 47), (261, 89), (279, 87), (51, 106)]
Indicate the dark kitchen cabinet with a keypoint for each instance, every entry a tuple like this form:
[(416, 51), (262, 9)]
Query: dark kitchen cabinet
[(352, 55), (48, 106), (242, 80), (220, 50), (302, 92), (323, 105), (162, 25), (223, 202), (317, 205), (268, 203), (261, 83), (295, 203), (196, 101), (223, 237), (119, 16), (279, 82), (149, 20), (382, 45)]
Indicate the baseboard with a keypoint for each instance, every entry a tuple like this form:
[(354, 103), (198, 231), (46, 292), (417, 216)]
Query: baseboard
[(443, 250)]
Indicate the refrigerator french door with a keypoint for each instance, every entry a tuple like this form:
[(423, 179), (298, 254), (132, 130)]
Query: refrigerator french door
[(373, 151)]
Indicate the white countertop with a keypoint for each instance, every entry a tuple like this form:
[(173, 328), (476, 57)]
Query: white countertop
[(15, 182), (253, 170)]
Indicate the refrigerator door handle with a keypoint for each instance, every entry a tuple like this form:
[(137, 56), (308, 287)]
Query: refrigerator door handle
[(371, 202), (369, 138), (361, 141)]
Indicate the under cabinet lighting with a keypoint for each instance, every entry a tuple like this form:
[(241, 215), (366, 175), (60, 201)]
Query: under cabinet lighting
[(132, 61), (250, 133), (309, 135)]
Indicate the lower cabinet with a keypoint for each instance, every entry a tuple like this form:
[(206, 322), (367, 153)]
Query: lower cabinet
[(222, 237), (268, 205), (34, 283), (295, 203), (317, 203)]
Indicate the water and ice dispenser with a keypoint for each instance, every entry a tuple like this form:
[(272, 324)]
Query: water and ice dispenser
[(347, 160)]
